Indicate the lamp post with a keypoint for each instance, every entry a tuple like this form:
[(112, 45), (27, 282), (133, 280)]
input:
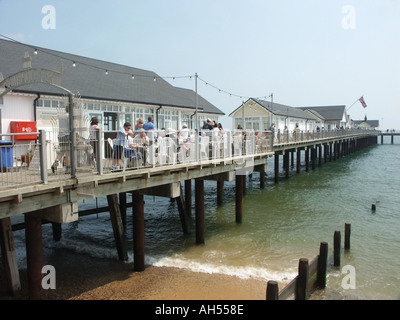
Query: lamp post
[(244, 124)]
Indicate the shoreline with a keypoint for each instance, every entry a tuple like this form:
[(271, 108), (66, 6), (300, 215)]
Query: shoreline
[(79, 277)]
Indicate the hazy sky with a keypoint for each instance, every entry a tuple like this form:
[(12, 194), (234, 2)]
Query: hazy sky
[(305, 52)]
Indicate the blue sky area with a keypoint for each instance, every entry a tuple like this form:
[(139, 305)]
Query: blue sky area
[(305, 52)]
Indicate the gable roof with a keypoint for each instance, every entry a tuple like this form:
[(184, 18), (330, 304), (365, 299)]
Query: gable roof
[(279, 109), (329, 113), (371, 123), (89, 79)]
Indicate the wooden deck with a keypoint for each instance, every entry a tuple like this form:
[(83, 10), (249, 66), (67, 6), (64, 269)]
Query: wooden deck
[(24, 191)]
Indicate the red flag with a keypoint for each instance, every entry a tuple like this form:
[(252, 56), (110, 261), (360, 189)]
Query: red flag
[(363, 102)]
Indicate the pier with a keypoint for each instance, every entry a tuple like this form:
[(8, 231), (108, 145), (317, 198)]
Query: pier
[(391, 134), (33, 190)]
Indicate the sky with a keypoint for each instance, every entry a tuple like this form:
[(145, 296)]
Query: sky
[(304, 52)]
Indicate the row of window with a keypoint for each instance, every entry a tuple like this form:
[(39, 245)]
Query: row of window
[(111, 117)]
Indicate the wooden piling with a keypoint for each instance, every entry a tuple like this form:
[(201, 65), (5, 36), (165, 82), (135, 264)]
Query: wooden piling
[(239, 197), (307, 158), (276, 167), (262, 179), (188, 197), (199, 213), (302, 280), (272, 290), (138, 231), (298, 160), (9, 256), (122, 208), (322, 265), (34, 254), (220, 191), (57, 230), (336, 248), (182, 214), (347, 231), (118, 227)]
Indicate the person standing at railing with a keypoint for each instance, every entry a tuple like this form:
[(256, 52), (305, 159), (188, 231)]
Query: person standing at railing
[(64, 143), (150, 129), (119, 144), (94, 126), (139, 125), (272, 129)]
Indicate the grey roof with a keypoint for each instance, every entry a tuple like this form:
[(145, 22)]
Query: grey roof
[(371, 123), (89, 79), (316, 114), (279, 109), (329, 113)]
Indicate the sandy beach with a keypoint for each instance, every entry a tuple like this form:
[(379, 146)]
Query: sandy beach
[(87, 278)]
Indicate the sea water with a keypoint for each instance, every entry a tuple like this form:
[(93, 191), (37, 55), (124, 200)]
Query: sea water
[(281, 223)]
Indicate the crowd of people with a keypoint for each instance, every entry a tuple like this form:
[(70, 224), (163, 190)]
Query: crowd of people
[(133, 143)]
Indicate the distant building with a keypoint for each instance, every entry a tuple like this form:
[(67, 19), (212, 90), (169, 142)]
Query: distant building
[(329, 117), (366, 124), (259, 114)]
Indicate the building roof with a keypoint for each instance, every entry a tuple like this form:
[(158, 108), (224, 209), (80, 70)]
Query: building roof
[(328, 113), (369, 123), (279, 109), (88, 79)]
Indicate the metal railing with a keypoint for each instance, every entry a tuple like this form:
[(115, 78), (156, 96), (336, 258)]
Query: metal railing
[(49, 158)]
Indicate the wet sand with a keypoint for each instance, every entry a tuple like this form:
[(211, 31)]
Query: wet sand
[(99, 279)]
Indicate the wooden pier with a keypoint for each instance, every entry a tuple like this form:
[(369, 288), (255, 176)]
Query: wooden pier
[(57, 199), (390, 134)]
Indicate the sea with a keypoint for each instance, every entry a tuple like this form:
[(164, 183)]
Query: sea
[(282, 223)]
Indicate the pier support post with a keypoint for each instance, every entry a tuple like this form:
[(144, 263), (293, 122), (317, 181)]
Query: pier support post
[(272, 290), (307, 158), (336, 248), (313, 157), (286, 164), (188, 197), (220, 191), (34, 254), (9, 256), (182, 214), (276, 167), (239, 197), (302, 280), (322, 265), (122, 207), (319, 155), (298, 161), (138, 231), (199, 214), (347, 231), (262, 179), (117, 225), (57, 230)]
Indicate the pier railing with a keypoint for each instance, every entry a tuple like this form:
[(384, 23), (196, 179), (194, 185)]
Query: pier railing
[(46, 158)]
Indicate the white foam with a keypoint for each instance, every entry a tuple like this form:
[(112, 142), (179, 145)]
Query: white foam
[(243, 272)]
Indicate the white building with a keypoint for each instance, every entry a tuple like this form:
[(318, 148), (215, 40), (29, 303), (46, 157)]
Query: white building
[(114, 93)]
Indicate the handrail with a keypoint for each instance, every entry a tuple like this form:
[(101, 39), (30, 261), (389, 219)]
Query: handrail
[(30, 162)]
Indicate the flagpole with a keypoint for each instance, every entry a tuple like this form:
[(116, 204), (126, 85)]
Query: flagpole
[(354, 103)]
